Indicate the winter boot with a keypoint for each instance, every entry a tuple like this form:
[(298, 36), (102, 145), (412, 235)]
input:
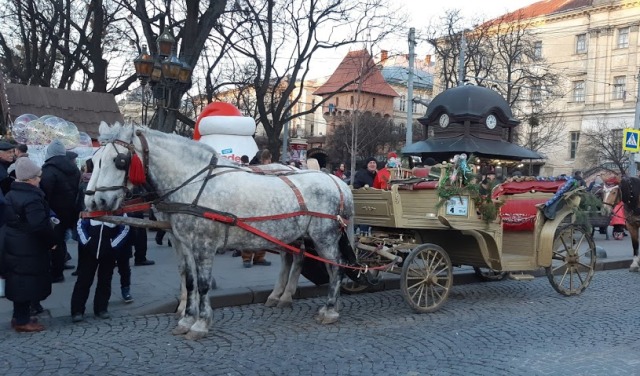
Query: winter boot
[(126, 295)]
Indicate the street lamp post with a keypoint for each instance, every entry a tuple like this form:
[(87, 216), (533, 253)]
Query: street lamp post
[(163, 72)]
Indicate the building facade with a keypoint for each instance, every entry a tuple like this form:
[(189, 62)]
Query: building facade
[(595, 47)]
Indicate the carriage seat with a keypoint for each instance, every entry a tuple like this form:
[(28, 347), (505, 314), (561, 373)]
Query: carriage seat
[(519, 214), (418, 186)]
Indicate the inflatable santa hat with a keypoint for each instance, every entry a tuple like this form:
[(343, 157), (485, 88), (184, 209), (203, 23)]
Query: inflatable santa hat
[(223, 118), (222, 126)]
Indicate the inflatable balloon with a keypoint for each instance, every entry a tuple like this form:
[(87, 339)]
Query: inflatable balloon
[(84, 139)]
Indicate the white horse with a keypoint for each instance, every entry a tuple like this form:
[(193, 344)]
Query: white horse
[(193, 181)]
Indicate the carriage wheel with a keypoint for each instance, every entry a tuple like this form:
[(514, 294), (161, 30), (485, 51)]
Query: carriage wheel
[(487, 274), (573, 261), (427, 276)]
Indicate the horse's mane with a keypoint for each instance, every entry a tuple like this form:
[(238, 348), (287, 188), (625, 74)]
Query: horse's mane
[(630, 193)]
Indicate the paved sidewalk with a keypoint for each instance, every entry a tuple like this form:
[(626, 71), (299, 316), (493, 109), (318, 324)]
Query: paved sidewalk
[(156, 288)]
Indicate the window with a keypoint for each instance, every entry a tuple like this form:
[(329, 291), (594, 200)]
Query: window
[(403, 103), (578, 91), (581, 43), (313, 126), (619, 87), (351, 100), (623, 37), (373, 103), (573, 144), (537, 50), (337, 102)]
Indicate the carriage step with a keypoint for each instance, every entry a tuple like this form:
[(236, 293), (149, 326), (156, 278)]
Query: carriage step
[(521, 276)]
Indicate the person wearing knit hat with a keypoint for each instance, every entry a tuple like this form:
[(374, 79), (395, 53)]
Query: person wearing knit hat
[(26, 169), (55, 148), (60, 181), (29, 240), (383, 176), (364, 177)]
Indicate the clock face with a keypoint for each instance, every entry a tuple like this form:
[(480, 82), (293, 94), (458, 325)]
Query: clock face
[(444, 120), (491, 121)]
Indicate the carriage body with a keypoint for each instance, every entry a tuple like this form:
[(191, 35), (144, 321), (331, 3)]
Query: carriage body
[(408, 218)]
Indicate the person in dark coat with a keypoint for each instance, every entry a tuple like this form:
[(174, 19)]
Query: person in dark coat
[(60, 181), (364, 176), (28, 242), (7, 157)]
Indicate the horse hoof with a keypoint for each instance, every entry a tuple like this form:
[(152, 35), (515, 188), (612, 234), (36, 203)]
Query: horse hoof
[(285, 304), (271, 302), (180, 330), (634, 269), (194, 335), (330, 318)]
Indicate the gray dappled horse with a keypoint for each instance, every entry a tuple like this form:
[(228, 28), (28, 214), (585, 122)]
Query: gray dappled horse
[(230, 191)]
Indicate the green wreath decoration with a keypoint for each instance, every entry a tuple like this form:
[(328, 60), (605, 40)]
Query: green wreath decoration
[(464, 184)]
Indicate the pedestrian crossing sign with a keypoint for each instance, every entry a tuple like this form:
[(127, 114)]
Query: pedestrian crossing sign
[(630, 141)]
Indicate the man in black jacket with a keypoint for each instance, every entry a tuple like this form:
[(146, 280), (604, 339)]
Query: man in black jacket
[(7, 157), (60, 180)]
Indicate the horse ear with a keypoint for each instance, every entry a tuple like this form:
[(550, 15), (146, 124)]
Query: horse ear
[(103, 128)]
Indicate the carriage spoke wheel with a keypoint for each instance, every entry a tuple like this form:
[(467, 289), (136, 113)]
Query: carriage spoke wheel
[(364, 284), (487, 274), (426, 279), (573, 261)]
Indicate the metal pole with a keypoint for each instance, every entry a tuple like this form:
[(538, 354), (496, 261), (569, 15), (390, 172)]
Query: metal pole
[(412, 44), (463, 48), (636, 125), (285, 136)]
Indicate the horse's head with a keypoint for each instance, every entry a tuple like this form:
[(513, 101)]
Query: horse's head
[(610, 197), (109, 181)]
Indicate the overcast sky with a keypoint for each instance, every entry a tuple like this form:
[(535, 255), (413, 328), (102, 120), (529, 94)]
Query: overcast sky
[(421, 14)]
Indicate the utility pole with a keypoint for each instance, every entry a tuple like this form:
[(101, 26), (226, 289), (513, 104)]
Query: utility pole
[(412, 45), (636, 125), (285, 136), (463, 48)]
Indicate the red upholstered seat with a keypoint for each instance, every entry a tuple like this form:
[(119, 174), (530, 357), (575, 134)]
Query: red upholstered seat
[(519, 215), (421, 172)]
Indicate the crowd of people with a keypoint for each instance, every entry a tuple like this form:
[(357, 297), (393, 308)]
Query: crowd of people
[(39, 213)]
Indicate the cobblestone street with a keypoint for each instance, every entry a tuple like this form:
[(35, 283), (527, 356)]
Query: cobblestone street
[(503, 328)]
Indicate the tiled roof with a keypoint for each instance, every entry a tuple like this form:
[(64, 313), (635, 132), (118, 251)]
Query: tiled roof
[(544, 8), (348, 72), (400, 76), (85, 109)]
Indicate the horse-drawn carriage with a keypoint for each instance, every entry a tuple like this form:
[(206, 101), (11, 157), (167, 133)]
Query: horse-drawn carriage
[(429, 235)]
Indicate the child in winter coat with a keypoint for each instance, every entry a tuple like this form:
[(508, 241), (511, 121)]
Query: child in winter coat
[(618, 221), (100, 242)]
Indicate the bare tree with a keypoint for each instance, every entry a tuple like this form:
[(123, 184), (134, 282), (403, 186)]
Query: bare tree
[(375, 135), (281, 38), (601, 146), (190, 22), (58, 44)]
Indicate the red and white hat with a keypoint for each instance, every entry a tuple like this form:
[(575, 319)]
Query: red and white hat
[(223, 118)]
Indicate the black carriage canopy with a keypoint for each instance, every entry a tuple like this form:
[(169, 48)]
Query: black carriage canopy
[(469, 119)]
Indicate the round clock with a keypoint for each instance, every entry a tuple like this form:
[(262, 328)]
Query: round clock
[(444, 120), (491, 121)]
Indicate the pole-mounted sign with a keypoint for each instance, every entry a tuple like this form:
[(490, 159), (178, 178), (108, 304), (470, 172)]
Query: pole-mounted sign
[(630, 140)]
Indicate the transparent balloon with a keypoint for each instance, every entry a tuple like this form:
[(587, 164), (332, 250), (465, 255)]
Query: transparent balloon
[(19, 127), (84, 139), (65, 131), (37, 133)]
